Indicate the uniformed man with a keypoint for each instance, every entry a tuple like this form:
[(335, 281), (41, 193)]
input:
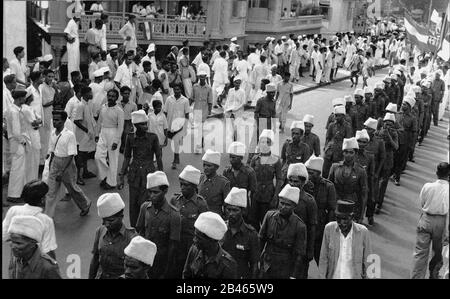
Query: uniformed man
[(350, 112), (311, 139), (206, 258), (350, 179), (337, 131), (241, 239), (361, 111), (325, 196), (240, 175), (213, 187), (306, 209), (396, 90), (336, 102), (380, 99), (268, 169), (427, 98), (265, 110), (139, 257), (283, 239), (160, 222), (111, 238), (370, 103), (141, 148), (390, 90), (27, 262), (295, 150), (190, 205), (390, 136), (377, 149), (418, 112), (409, 126), (366, 160)]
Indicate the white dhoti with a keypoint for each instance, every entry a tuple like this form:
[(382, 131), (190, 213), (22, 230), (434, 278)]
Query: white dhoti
[(319, 73), (108, 169), (444, 104), (73, 56), (326, 74), (187, 84), (17, 174), (6, 157), (293, 70)]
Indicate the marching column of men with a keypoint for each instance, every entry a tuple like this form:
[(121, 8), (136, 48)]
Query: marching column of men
[(265, 219)]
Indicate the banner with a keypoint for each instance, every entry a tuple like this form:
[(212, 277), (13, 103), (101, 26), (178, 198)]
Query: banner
[(444, 51)]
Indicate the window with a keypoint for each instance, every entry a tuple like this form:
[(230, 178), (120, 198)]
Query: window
[(239, 9), (258, 4)]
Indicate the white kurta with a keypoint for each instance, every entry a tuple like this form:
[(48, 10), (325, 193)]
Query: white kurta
[(73, 49)]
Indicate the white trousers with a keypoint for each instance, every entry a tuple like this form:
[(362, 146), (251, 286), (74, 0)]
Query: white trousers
[(326, 74), (188, 89), (103, 150), (444, 104), (293, 69), (73, 57), (17, 174)]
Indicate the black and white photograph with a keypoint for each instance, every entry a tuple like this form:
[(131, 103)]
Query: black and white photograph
[(225, 145)]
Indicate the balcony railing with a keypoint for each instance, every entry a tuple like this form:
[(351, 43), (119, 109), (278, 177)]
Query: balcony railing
[(167, 27)]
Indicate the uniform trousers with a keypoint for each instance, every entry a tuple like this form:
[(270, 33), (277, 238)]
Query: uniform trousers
[(69, 180), (17, 174), (384, 181), (107, 169), (400, 159), (435, 112), (430, 231)]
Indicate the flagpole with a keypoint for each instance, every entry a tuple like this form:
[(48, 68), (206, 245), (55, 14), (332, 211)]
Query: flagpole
[(429, 15)]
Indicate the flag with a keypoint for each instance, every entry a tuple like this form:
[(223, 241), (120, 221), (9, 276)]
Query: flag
[(418, 35), (435, 18), (444, 51)]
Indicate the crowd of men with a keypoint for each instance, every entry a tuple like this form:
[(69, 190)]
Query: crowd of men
[(281, 212)]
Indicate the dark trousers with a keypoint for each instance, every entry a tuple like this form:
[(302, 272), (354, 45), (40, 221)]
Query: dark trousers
[(400, 159), (435, 112), (259, 211), (425, 126), (384, 180), (127, 128), (372, 195), (412, 146), (137, 198)]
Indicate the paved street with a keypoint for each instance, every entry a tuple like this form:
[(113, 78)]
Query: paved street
[(393, 234)]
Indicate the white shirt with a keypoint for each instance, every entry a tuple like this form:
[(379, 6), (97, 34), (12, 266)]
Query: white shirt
[(66, 146), (235, 101), (157, 124), (198, 60), (71, 107), (434, 198), (344, 263), (18, 68), (7, 100), (103, 38), (253, 59), (48, 239), (124, 75), (220, 69), (36, 104), (204, 67), (72, 29)]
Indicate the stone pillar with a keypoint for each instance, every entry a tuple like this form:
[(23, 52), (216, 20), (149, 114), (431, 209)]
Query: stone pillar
[(14, 27), (213, 19)]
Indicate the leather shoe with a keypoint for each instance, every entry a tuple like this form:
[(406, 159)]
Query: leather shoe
[(377, 211), (86, 211), (89, 175), (370, 220)]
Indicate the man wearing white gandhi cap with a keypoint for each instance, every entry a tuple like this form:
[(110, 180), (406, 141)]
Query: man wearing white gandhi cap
[(295, 150), (267, 167), (311, 139), (241, 239), (213, 187), (306, 209), (139, 256), (141, 149), (209, 230), (111, 238), (350, 179), (27, 260), (283, 237), (240, 175), (160, 222), (324, 194), (190, 205)]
